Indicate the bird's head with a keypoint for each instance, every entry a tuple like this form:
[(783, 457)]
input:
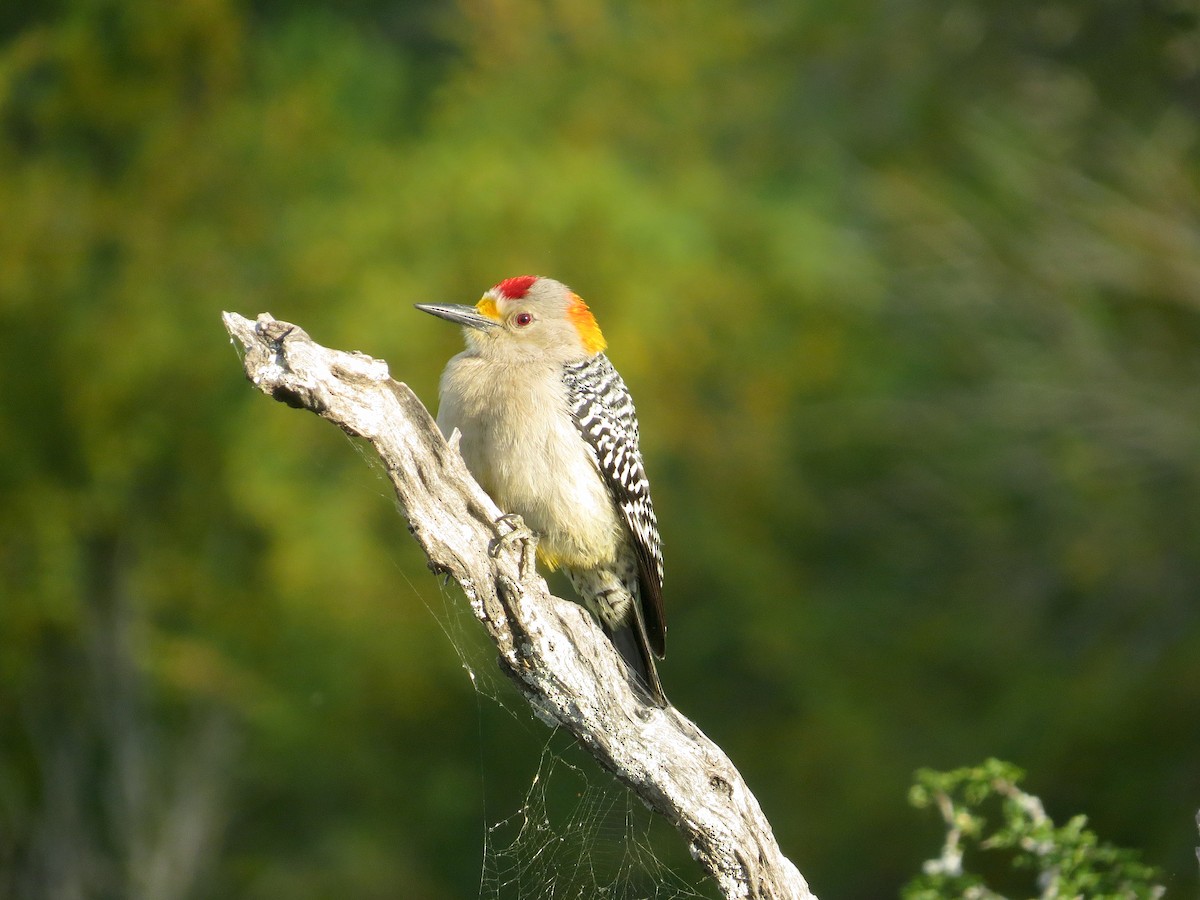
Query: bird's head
[(527, 317)]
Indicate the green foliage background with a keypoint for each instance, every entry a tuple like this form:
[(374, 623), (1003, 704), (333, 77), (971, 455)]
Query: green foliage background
[(909, 298)]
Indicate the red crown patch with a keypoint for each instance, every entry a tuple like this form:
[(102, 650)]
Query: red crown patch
[(516, 288)]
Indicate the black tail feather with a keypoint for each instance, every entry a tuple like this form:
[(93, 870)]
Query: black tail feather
[(632, 643)]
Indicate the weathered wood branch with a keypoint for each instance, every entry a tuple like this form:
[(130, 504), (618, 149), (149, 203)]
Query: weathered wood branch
[(551, 648)]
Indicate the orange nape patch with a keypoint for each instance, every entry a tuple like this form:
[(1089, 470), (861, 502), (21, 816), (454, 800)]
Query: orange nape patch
[(487, 307), (585, 323)]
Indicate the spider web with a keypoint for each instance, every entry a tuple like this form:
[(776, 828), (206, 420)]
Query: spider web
[(576, 832), (579, 834)]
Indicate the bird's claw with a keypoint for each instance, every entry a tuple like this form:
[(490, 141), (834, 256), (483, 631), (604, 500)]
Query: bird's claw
[(518, 533)]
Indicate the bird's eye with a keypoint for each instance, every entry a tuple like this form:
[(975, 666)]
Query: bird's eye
[(523, 319)]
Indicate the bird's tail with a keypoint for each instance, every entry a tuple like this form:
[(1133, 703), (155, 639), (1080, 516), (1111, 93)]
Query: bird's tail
[(632, 643), (617, 607)]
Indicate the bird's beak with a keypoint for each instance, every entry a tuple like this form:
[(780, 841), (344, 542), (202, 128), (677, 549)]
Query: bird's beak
[(463, 315)]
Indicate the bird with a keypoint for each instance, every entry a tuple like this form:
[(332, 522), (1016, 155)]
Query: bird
[(549, 430)]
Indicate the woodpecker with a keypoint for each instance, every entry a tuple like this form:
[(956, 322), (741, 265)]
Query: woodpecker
[(548, 429)]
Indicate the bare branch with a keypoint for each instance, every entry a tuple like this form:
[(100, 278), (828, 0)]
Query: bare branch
[(551, 648)]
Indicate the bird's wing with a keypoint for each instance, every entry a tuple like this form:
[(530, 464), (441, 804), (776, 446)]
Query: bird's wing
[(603, 412)]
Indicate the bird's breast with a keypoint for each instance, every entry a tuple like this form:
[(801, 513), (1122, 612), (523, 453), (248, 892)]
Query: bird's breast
[(521, 444)]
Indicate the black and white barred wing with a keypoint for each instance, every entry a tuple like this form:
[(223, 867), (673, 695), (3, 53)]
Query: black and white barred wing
[(603, 411)]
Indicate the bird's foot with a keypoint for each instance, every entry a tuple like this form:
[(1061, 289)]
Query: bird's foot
[(518, 533)]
